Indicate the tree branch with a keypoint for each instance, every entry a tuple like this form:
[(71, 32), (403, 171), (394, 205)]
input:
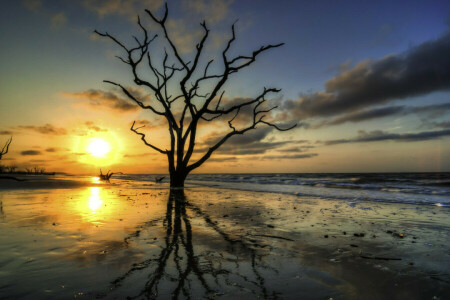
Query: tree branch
[(6, 147), (144, 140)]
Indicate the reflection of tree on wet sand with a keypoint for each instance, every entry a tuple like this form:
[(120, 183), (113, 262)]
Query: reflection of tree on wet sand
[(179, 270)]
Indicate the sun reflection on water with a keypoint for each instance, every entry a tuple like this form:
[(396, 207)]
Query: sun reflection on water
[(94, 200)]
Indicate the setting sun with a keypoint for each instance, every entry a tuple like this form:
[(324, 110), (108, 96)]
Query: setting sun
[(98, 147)]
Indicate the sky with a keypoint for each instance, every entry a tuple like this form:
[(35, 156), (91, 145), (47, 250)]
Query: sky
[(366, 82)]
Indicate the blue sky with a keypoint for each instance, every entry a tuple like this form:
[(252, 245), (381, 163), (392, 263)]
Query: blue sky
[(51, 62)]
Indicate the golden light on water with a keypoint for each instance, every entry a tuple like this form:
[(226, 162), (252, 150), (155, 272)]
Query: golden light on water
[(98, 147), (94, 200)]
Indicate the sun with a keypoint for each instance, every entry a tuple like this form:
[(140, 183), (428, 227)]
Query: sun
[(98, 147)]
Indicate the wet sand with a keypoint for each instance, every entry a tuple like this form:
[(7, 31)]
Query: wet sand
[(115, 241)]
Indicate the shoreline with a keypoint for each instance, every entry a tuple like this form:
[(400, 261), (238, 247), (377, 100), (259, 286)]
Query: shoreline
[(297, 244)]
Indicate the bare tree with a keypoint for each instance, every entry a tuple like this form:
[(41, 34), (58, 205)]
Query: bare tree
[(189, 106), (5, 147)]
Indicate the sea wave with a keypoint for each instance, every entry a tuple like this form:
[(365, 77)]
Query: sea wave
[(411, 188)]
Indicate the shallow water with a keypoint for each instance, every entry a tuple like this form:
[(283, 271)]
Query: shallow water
[(137, 239)]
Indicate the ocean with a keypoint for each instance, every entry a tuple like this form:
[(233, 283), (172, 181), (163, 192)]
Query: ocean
[(412, 188)]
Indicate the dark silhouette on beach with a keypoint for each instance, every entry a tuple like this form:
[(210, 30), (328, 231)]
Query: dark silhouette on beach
[(159, 179), (107, 176)]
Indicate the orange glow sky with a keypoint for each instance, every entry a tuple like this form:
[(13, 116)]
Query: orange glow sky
[(353, 85)]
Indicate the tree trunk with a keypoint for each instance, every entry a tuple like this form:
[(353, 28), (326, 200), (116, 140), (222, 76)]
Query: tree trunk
[(177, 179)]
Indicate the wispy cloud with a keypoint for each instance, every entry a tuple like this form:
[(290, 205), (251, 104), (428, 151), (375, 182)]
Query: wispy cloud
[(30, 152), (45, 129), (378, 135), (58, 20), (91, 126), (253, 142), (100, 99), (430, 111), (33, 5), (127, 8), (6, 132), (290, 157), (212, 11)]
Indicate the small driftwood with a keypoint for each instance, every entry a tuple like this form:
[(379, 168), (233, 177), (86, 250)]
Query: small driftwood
[(159, 179), (107, 176)]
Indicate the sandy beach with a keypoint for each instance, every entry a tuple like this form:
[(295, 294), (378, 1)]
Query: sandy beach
[(92, 241)]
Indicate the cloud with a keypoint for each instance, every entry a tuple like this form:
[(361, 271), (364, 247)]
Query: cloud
[(378, 135), (296, 156), (33, 5), (183, 38), (91, 126), (222, 159), (212, 11), (368, 114), (127, 8), (30, 152), (58, 20), (99, 99), (45, 129), (421, 70), (296, 149), (6, 132), (442, 124), (51, 149), (431, 111), (242, 144)]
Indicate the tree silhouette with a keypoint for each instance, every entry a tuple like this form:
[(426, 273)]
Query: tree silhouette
[(187, 107)]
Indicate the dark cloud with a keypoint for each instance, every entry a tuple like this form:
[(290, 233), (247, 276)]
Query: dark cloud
[(51, 150), (253, 148), (431, 111), (442, 124), (222, 159), (367, 115), (378, 135), (100, 99), (296, 149), (6, 132), (45, 129), (421, 70), (296, 156), (244, 144), (30, 152), (80, 153)]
